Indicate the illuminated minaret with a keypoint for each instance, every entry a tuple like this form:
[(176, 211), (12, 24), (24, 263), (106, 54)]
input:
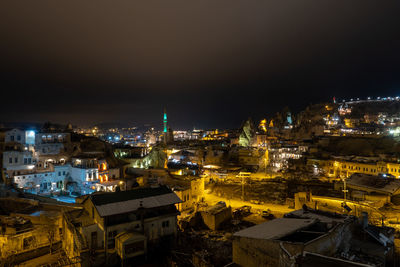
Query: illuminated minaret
[(165, 121)]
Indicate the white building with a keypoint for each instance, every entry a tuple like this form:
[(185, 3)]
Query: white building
[(85, 170), (81, 175), (20, 136), (17, 161), (15, 135), (44, 182), (52, 143)]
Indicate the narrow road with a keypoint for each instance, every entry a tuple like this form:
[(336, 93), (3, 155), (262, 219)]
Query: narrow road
[(276, 209)]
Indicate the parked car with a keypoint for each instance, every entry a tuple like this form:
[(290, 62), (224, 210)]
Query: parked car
[(246, 209), (255, 201), (237, 214), (241, 212), (221, 203), (267, 214)]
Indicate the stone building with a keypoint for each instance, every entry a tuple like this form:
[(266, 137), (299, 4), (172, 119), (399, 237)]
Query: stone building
[(215, 216), (373, 188), (343, 167), (28, 230), (314, 236), (17, 159), (52, 142)]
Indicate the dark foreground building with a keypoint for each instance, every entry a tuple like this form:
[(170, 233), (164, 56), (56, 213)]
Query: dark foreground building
[(314, 238), (120, 225)]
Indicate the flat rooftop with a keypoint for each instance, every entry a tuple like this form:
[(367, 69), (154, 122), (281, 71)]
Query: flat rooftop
[(275, 229), (322, 216), (376, 183), (108, 204)]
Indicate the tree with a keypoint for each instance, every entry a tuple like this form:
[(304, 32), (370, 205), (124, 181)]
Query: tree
[(50, 234)]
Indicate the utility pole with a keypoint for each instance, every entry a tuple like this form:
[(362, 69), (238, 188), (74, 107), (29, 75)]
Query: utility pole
[(243, 175), (243, 188), (344, 189)]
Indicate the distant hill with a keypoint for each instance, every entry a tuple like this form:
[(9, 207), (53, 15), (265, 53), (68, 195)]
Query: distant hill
[(346, 146), (374, 108), (22, 125)]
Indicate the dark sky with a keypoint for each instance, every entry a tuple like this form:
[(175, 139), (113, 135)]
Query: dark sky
[(211, 63)]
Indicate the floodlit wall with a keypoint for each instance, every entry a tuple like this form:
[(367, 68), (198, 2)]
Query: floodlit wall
[(186, 197), (197, 187), (215, 219), (22, 242), (74, 243), (342, 168), (18, 160), (81, 175)]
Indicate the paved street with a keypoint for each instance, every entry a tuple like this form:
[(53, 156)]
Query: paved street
[(276, 209)]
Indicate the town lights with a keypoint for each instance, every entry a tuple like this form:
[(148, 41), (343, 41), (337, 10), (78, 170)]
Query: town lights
[(30, 133), (336, 164)]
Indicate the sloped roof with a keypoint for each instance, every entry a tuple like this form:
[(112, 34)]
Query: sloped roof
[(107, 198), (127, 201)]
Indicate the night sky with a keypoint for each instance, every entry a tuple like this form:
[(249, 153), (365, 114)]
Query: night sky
[(212, 64)]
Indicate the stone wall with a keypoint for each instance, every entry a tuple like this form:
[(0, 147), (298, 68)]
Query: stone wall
[(215, 219)]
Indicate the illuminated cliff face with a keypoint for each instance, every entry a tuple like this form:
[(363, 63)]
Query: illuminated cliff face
[(263, 125), (246, 137)]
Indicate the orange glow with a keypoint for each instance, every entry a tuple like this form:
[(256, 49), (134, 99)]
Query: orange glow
[(103, 178), (263, 125), (103, 167)]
